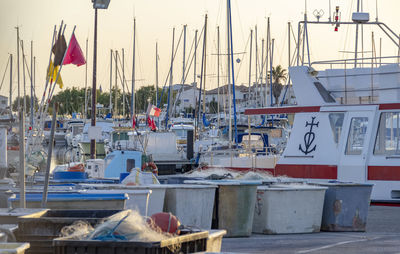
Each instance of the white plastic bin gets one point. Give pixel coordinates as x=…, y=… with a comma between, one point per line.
x=137, y=199
x=156, y=199
x=287, y=209
x=191, y=204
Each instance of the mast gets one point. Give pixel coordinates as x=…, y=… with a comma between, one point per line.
x=271, y=68
x=86, y=71
x=196, y=123
x=233, y=70
x=262, y=72
x=218, y=50
x=184, y=54
x=133, y=71
x=34, y=78
x=116, y=83
x=19, y=87
x=11, y=64
x=194, y=77
x=123, y=83
x=170, y=77
x=31, y=120
x=256, y=58
x=23, y=73
x=267, y=61
x=111, y=61
x=156, y=103
x=204, y=64
x=356, y=47
x=229, y=72
x=251, y=48
x=22, y=203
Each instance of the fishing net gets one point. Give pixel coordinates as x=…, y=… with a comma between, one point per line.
x=127, y=225
x=77, y=229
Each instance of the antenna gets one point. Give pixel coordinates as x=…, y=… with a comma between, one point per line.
x=376, y=11
x=330, y=12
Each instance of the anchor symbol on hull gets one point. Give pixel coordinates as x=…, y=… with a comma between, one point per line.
x=309, y=138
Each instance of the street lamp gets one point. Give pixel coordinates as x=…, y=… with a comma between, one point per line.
x=97, y=4
x=100, y=4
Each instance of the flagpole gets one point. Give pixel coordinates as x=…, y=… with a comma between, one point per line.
x=39, y=112
x=48, y=65
x=93, y=112
x=86, y=71
x=52, y=87
x=133, y=71
x=61, y=65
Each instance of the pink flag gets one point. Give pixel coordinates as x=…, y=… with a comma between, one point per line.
x=74, y=53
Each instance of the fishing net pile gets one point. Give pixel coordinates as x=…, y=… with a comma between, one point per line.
x=127, y=225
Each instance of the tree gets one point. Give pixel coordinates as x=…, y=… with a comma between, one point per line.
x=28, y=103
x=213, y=106
x=278, y=75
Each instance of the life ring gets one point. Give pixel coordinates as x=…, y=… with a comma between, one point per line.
x=150, y=166
x=77, y=168
x=13, y=148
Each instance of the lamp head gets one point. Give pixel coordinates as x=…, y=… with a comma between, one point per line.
x=100, y=4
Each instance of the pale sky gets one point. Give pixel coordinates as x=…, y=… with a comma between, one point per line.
x=155, y=21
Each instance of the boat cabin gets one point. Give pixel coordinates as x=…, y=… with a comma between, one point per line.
x=343, y=142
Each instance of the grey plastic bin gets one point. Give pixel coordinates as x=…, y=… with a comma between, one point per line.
x=346, y=206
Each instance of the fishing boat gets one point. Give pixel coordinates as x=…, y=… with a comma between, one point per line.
x=344, y=142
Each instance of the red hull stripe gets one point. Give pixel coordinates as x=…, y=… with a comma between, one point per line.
x=307, y=171
x=243, y=169
x=378, y=203
x=281, y=110
x=384, y=173
x=389, y=106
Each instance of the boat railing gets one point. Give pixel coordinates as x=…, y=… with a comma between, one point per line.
x=363, y=84
x=363, y=61
x=254, y=158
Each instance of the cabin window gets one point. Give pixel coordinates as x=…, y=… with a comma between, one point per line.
x=336, y=121
x=130, y=165
x=388, y=136
x=355, y=140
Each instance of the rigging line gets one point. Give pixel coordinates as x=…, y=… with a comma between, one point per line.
x=125, y=86
x=240, y=21
x=346, y=39
x=188, y=57
x=241, y=62
x=139, y=54
x=191, y=61
x=26, y=66
x=170, y=69
x=177, y=97
x=284, y=44
x=4, y=75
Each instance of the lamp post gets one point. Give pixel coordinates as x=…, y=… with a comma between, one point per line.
x=97, y=4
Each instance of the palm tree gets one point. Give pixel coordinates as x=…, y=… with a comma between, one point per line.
x=278, y=75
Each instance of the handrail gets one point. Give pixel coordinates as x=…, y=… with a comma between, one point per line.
x=349, y=61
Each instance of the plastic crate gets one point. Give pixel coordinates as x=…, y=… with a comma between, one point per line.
x=39, y=229
x=190, y=243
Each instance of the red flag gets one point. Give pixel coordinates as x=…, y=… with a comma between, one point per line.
x=154, y=111
x=153, y=125
x=148, y=121
x=74, y=53
x=133, y=122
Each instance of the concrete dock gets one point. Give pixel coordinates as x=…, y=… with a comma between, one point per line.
x=382, y=236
